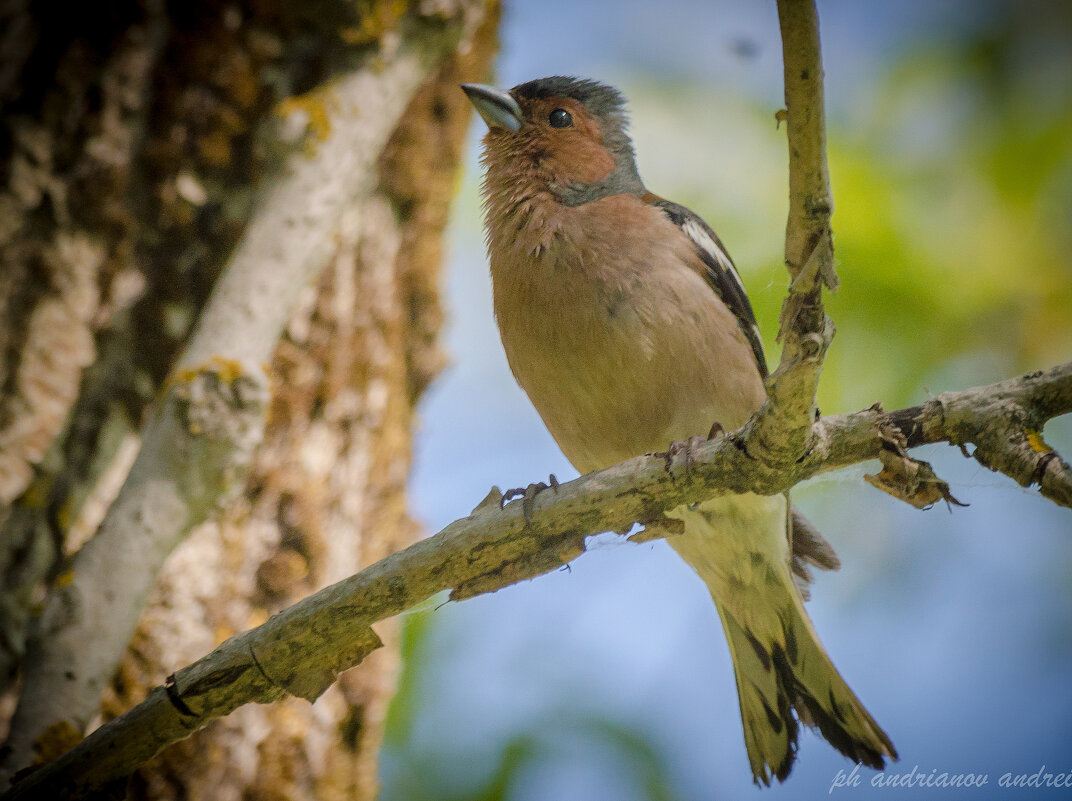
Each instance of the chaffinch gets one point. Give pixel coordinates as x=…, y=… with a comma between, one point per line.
x=626, y=323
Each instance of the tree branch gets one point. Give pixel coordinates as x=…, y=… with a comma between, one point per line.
x=198, y=443
x=303, y=648
x=810, y=203
x=784, y=423
x=1005, y=426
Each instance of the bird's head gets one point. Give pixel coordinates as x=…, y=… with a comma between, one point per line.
x=564, y=135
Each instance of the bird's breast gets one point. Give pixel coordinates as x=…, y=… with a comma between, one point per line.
x=615, y=338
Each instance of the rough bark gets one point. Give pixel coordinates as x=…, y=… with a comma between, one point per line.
x=222, y=95
x=74, y=88
x=327, y=491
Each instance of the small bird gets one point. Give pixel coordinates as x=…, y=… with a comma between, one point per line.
x=626, y=323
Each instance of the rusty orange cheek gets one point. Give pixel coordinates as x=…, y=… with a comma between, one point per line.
x=579, y=159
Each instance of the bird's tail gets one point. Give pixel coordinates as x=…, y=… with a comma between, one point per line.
x=784, y=676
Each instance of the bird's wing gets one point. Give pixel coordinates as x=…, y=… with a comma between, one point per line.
x=720, y=275
x=809, y=546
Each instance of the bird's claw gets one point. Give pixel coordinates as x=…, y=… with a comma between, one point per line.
x=528, y=495
x=686, y=446
x=679, y=446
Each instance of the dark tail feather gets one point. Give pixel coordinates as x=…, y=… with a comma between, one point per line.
x=780, y=686
x=810, y=549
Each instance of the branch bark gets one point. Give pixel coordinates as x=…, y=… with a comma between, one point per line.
x=302, y=649
x=810, y=202
x=1005, y=426
x=198, y=443
x=784, y=423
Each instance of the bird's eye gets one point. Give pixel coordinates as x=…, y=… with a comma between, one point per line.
x=560, y=118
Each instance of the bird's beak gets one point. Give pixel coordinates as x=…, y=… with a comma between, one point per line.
x=498, y=109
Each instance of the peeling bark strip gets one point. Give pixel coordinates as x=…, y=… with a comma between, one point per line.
x=1005, y=426
x=494, y=548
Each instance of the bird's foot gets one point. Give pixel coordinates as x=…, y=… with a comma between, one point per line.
x=680, y=446
x=686, y=446
x=528, y=495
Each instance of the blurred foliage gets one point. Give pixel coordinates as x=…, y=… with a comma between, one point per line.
x=952, y=183
x=953, y=216
x=406, y=700
x=424, y=775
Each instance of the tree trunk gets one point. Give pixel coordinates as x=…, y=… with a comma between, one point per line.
x=134, y=140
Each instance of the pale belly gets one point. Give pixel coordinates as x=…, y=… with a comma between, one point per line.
x=612, y=381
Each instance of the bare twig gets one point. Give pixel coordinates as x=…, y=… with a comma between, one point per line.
x=301, y=649
x=783, y=425
x=810, y=203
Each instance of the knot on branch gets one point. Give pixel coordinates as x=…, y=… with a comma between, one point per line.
x=216, y=415
x=1004, y=422
x=818, y=268
x=658, y=529
x=783, y=429
x=207, y=397
x=1023, y=454
x=819, y=208
x=780, y=435
x=812, y=347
